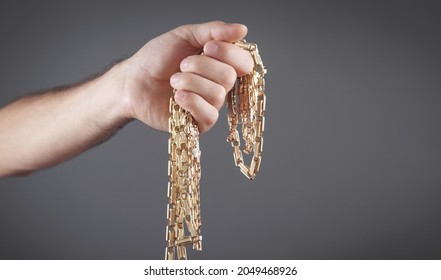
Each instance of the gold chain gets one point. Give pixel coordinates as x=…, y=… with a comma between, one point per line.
x=184, y=171
x=246, y=105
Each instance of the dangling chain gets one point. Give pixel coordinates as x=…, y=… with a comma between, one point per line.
x=249, y=91
x=184, y=171
x=246, y=104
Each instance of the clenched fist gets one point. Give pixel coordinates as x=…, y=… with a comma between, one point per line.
x=172, y=61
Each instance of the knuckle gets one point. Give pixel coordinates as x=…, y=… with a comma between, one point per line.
x=219, y=96
x=244, y=62
x=218, y=22
x=229, y=77
x=211, y=119
x=249, y=65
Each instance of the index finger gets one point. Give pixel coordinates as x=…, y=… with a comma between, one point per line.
x=228, y=53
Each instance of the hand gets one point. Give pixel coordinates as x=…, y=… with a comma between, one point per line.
x=42, y=130
x=172, y=60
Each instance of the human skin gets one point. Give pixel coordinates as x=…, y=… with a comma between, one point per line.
x=42, y=130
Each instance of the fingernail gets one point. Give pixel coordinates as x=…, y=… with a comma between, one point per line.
x=210, y=48
x=174, y=79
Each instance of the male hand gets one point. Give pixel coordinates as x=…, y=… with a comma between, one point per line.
x=172, y=61
x=42, y=130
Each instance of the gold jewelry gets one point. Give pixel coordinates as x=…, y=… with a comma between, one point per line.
x=184, y=172
x=246, y=105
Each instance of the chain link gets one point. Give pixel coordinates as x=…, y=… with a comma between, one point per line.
x=246, y=105
x=184, y=171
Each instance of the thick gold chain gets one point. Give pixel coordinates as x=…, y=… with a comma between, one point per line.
x=246, y=105
x=184, y=171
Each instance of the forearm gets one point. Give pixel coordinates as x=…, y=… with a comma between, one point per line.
x=45, y=129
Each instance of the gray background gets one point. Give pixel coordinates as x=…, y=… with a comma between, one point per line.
x=352, y=156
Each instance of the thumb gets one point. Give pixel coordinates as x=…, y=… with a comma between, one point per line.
x=199, y=34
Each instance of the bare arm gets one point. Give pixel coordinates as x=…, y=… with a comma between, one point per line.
x=42, y=130
x=45, y=129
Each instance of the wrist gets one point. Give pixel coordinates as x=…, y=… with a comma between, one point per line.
x=114, y=92
x=138, y=92
x=102, y=100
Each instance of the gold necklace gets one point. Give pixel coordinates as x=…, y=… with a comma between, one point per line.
x=246, y=105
